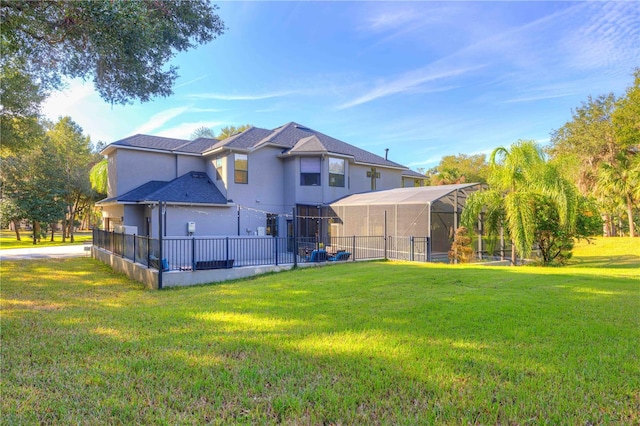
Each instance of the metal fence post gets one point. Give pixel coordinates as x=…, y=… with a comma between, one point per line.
x=295, y=239
x=385, y=235
x=428, y=249
x=193, y=253
x=135, y=238
x=411, y=249
x=227, y=250
x=275, y=241
x=354, y=248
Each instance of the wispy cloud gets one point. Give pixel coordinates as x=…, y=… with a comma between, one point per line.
x=389, y=19
x=206, y=110
x=242, y=97
x=608, y=35
x=177, y=86
x=159, y=119
x=537, y=98
x=407, y=83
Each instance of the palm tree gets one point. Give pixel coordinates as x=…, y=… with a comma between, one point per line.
x=98, y=176
x=621, y=181
x=519, y=179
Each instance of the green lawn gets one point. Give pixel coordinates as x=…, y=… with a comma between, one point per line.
x=354, y=343
x=8, y=239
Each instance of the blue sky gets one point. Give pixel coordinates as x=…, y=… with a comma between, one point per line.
x=424, y=79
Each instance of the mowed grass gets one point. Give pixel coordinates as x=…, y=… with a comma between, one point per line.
x=8, y=239
x=355, y=343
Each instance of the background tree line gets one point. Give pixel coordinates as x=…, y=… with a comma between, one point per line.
x=585, y=182
x=48, y=182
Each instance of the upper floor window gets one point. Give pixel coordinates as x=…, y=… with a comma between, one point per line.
x=217, y=163
x=241, y=172
x=310, y=171
x=336, y=172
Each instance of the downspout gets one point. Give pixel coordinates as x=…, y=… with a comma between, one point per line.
x=160, y=243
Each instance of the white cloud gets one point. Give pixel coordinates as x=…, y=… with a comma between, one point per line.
x=408, y=82
x=242, y=97
x=190, y=81
x=159, y=119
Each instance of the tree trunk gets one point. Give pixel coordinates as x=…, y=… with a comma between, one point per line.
x=632, y=226
x=16, y=228
x=513, y=254
x=64, y=229
x=34, y=236
x=53, y=228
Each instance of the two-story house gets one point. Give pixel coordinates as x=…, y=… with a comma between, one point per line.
x=247, y=184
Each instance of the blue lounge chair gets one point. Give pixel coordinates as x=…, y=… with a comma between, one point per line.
x=318, y=256
x=341, y=255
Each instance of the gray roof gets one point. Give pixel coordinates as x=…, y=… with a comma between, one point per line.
x=414, y=174
x=294, y=138
x=290, y=134
x=199, y=145
x=247, y=139
x=151, y=142
x=192, y=187
x=415, y=195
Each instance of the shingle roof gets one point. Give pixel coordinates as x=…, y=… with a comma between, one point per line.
x=414, y=174
x=192, y=187
x=293, y=137
x=291, y=133
x=199, y=145
x=151, y=142
x=247, y=139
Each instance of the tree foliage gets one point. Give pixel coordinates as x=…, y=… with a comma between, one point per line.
x=598, y=149
x=202, y=132
x=460, y=168
x=49, y=181
x=626, y=117
x=122, y=46
x=621, y=180
x=74, y=157
x=229, y=131
x=589, y=138
x=33, y=185
x=99, y=177
x=521, y=183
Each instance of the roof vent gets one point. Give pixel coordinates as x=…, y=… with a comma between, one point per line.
x=297, y=126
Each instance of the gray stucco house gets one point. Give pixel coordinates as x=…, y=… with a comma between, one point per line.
x=247, y=184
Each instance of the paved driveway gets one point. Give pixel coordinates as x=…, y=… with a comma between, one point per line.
x=44, y=252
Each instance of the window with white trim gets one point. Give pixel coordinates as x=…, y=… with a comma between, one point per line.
x=241, y=172
x=336, y=172
x=309, y=171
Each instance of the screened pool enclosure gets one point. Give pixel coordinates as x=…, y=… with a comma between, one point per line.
x=428, y=211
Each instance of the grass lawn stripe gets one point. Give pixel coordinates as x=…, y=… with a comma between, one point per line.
x=374, y=342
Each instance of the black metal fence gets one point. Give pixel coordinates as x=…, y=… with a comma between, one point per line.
x=199, y=253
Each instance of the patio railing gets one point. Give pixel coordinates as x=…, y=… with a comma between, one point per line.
x=198, y=253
